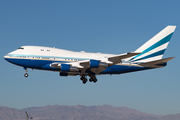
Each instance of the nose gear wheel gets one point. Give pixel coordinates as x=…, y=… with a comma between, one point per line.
x=26, y=74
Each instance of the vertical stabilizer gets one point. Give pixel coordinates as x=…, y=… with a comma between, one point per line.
x=155, y=47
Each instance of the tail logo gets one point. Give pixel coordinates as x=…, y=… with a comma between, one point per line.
x=154, y=50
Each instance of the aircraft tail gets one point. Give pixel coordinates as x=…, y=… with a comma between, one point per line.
x=154, y=48
x=156, y=63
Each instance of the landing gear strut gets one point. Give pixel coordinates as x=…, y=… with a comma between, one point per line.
x=26, y=74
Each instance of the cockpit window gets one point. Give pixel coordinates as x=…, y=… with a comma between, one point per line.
x=21, y=48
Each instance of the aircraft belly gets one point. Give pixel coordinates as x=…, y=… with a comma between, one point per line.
x=119, y=69
x=45, y=65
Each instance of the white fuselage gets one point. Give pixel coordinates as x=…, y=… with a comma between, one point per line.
x=38, y=57
x=44, y=53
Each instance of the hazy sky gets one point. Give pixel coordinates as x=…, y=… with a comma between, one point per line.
x=94, y=26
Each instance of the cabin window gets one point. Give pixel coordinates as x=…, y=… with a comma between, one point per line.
x=48, y=50
x=21, y=48
x=42, y=49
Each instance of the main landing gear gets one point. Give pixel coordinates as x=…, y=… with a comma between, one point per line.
x=84, y=79
x=26, y=74
x=91, y=79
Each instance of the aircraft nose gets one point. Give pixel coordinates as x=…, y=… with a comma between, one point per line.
x=5, y=57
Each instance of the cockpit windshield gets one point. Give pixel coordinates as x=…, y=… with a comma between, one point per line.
x=21, y=48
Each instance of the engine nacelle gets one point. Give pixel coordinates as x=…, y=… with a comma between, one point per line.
x=103, y=64
x=65, y=67
x=63, y=74
x=68, y=73
x=96, y=64
x=68, y=68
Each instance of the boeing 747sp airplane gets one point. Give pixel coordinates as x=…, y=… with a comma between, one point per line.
x=66, y=62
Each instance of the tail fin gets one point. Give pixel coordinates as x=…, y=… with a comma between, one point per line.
x=155, y=47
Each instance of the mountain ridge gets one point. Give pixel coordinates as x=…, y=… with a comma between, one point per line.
x=80, y=112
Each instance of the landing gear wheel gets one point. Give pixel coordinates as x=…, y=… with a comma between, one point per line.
x=84, y=81
x=90, y=79
x=82, y=77
x=25, y=75
x=95, y=80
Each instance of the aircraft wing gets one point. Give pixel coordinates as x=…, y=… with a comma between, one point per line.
x=109, y=60
x=112, y=61
x=94, y=65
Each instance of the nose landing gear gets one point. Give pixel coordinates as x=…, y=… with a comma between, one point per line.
x=26, y=74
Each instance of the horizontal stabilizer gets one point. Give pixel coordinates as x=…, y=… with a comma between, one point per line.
x=156, y=62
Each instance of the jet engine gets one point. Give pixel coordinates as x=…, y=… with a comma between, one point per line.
x=96, y=64
x=68, y=68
